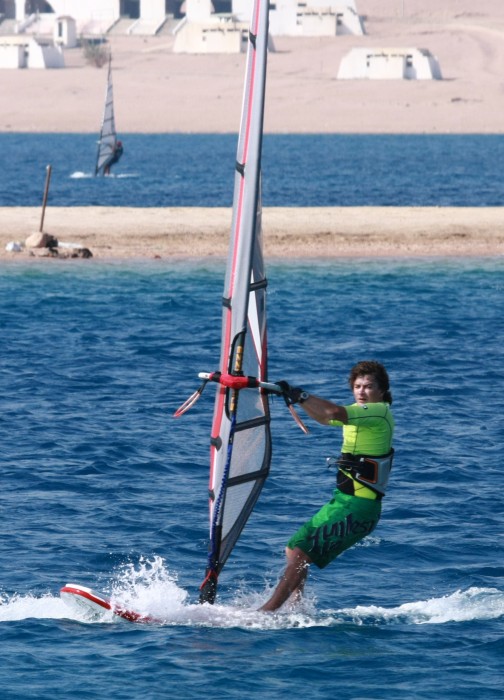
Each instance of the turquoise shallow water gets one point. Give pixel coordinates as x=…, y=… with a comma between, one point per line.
x=103, y=487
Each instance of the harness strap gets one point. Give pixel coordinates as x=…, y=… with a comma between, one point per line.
x=372, y=472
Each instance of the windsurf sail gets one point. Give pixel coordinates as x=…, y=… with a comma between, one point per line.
x=240, y=443
x=240, y=452
x=107, y=143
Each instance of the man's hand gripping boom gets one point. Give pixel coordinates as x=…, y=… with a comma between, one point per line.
x=237, y=383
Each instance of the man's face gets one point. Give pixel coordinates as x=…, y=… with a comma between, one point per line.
x=366, y=390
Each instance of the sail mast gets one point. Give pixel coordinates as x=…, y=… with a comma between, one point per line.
x=240, y=451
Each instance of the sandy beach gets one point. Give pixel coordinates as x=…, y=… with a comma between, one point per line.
x=157, y=91
x=127, y=233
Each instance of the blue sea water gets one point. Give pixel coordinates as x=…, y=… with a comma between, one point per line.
x=298, y=170
x=102, y=486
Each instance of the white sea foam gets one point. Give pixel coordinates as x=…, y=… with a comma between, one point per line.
x=461, y=606
x=80, y=175
x=23, y=607
x=151, y=589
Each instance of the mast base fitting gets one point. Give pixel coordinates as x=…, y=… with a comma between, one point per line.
x=208, y=589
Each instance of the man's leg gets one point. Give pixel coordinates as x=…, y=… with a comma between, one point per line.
x=292, y=582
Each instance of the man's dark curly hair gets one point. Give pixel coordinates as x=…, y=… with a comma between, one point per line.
x=379, y=373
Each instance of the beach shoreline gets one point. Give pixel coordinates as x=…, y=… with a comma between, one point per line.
x=127, y=233
x=158, y=91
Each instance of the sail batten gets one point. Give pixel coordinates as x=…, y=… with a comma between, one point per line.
x=240, y=451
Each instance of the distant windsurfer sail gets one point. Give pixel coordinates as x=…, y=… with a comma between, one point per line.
x=110, y=149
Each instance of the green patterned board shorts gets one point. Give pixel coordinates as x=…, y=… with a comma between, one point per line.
x=338, y=525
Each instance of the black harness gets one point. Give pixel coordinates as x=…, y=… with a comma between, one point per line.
x=372, y=472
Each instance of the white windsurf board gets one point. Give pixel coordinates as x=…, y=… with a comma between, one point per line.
x=94, y=605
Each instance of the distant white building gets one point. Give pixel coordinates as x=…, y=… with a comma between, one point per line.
x=28, y=52
x=203, y=31
x=389, y=64
x=92, y=17
x=204, y=26
x=216, y=34
x=65, y=32
x=308, y=17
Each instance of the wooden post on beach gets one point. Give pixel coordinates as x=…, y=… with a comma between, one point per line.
x=46, y=192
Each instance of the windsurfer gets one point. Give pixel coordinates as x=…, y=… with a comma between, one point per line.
x=117, y=153
x=363, y=469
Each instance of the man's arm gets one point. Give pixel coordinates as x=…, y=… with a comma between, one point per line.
x=323, y=411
